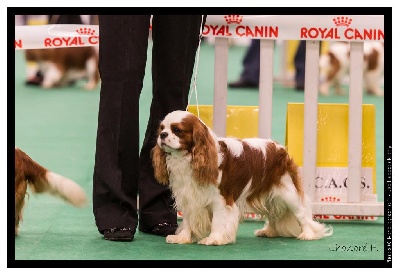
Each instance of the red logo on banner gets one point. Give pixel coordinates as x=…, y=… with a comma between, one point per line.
x=233, y=19
x=347, y=33
x=85, y=31
x=342, y=21
x=241, y=30
x=87, y=38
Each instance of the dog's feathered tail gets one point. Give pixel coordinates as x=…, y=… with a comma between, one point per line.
x=41, y=180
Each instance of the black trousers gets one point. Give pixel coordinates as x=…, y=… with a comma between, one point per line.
x=120, y=172
x=300, y=63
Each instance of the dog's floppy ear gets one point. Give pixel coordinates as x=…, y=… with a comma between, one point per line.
x=204, y=155
x=160, y=165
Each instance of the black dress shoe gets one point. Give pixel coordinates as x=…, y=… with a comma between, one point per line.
x=163, y=229
x=119, y=234
x=242, y=84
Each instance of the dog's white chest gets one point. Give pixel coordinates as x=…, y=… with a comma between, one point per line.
x=186, y=191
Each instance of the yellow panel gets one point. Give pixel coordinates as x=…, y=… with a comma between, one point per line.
x=324, y=47
x=332, y=135
x=241, y=121
x=291, y=52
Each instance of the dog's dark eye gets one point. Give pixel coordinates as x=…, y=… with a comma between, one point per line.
x=176, y=130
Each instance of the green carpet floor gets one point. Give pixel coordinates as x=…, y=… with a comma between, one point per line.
x=57, y=128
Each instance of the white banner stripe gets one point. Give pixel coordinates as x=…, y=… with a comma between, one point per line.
x=284, y=27
x=55, y=36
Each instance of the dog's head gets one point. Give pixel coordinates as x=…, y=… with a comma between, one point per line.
x=182, y=133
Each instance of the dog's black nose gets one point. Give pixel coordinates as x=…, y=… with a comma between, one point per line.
x=163, y=135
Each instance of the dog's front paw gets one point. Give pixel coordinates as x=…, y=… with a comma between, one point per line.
x=177, y=239
x=266, y=232
x=211, y=241
x=47, y=85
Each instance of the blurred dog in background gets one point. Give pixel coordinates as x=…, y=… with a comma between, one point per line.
x=334, y=66
x=57, y=67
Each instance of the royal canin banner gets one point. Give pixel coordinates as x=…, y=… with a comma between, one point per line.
x=297, y=27
x=285, y=27
x=55, y=36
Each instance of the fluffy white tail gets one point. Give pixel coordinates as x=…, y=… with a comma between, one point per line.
x=66, y=189
x=63, y=187
x=41, y=180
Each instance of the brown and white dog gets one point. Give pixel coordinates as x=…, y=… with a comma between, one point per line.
x=334, y=66
x=61, y=66
x=216, y=180
x=41, y=180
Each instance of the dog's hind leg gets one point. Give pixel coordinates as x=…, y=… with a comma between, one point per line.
x=299, y=208
x=281, y=221
x=91, y=72
x=52, y=76
x=20, y=192
x=268, y=230
x=372, y=83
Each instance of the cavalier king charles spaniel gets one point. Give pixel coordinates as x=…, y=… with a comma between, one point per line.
x=41, y=180
x=63, y=66
x=216, y=180
x=335, y=65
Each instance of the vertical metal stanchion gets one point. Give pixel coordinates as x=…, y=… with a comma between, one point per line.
x=220, y=85
x=355, y=122
x=265, y=87
x=310, y=117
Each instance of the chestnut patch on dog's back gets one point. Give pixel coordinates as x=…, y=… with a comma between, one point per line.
x=264, y=173
x=236, y=172
x=70, y=57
